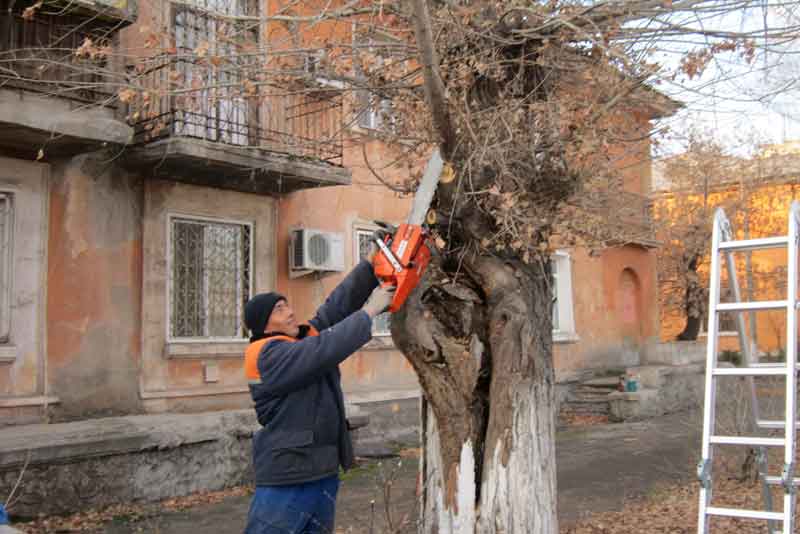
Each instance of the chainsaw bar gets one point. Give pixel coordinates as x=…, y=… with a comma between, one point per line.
x=426, y=189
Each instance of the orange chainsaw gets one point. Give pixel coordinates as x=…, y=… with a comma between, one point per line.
x=403, y=254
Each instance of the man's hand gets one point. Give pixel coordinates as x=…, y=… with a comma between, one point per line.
x=379, y=301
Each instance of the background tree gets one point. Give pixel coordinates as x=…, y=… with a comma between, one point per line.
x=755, y=193
x=697, y=187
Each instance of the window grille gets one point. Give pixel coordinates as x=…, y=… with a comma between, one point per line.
x=210, y=278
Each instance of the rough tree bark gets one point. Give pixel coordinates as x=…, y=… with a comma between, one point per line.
x=482, y=350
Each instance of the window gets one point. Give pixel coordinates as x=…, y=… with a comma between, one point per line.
x=210, y=278
x=363, y=236
x=6, y=257
x=219, y=113
x=374, y=112
x=561, y=276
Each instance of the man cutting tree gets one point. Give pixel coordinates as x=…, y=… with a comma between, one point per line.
x=294, y=380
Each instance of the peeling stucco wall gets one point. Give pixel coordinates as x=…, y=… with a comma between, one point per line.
x=94, y=286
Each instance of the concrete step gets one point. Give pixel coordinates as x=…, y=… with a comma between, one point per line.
x=593, y=391
x=586, y=404
x=585, y=408
x=589, y=398
x=608, y=382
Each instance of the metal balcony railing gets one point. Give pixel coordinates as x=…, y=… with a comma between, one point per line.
x=38, y=54
x=303, y=124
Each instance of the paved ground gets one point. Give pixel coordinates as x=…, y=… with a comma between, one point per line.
x=599, y=467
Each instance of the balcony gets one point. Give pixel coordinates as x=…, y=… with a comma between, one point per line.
x=49, y=96
x=220, y=137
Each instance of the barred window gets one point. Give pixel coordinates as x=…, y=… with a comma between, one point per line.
x=6, y=257
x=380, y=325
x=209, y=278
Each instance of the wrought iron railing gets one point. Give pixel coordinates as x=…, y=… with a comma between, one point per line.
x=304, y=124
x=37, y=53
x=299, y=124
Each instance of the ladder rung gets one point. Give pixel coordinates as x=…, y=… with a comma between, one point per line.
x=752, y=514
x=751, y=371
x=747, y=440
x=755, y=244
x=768, y=424
x=778, y=481
x=748, y=306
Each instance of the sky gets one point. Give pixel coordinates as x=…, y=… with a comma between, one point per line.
x=740, y=105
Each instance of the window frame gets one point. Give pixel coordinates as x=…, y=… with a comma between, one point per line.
x=371, y=116
x=171, y=216
x=358, y=230
x=7, y=272
x=231, y=119
x=564, y=307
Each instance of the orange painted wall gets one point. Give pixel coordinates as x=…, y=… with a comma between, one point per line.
x=94, y=287
x=613, y=325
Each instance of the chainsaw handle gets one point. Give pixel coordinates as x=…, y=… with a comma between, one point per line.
x=390, y=229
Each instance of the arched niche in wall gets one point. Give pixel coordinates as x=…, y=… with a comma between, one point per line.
x=629, y=302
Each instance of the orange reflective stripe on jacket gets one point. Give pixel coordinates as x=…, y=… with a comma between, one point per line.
x=254, y=350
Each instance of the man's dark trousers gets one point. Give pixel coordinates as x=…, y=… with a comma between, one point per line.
x=307, y=508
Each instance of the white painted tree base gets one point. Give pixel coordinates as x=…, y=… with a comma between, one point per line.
x=516, y=498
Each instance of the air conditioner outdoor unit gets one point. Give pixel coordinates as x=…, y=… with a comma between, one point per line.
x=315, y=250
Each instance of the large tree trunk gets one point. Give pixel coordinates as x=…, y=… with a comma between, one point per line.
x=482, y=350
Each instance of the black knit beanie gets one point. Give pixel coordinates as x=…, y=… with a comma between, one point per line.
x=258, y=309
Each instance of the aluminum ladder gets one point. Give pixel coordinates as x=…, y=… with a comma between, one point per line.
x=723, y=241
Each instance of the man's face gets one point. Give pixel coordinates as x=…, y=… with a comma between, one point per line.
x=282, y=320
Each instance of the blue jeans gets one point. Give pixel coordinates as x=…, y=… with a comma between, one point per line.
x=308, y=508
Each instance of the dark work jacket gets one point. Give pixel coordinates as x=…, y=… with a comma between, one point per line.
x=297, y=388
